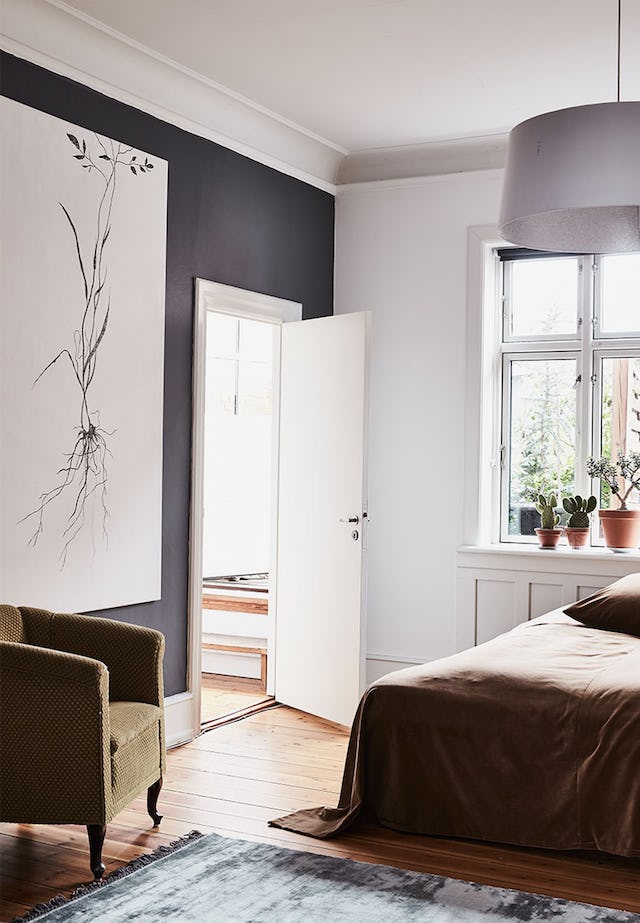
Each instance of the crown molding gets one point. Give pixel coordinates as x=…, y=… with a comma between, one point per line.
x=53, y=35
x=375, y=186
x=434, y=158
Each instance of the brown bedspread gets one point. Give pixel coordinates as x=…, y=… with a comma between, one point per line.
x=532, y=739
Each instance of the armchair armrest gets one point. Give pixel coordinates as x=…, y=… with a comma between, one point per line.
x=54, y=726
x=133, y=654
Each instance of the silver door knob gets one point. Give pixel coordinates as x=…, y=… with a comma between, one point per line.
x=352, y=519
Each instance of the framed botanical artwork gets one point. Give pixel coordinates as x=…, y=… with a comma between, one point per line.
x=82, y=270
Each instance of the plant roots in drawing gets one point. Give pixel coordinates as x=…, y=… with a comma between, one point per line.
x=84, y=475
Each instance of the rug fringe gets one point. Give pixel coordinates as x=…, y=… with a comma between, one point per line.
x=135, y=865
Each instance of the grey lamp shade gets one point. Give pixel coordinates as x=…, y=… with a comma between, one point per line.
x=572, y=180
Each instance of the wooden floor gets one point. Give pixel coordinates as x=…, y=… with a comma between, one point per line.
x=224, y=695
x=233, y=779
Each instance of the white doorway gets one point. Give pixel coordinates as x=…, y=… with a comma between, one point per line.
x=238, y=477
x=234, y=502
x=317, y=519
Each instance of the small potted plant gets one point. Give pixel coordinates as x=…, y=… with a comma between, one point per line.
x=577, y=528
x=548, y=533
x=621, y=527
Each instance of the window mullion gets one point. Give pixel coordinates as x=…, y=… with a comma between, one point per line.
x=504, y=450
x=586, y=370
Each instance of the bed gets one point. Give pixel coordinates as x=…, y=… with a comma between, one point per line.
x=531, y=739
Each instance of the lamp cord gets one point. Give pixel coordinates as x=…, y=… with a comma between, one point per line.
x=619, y=34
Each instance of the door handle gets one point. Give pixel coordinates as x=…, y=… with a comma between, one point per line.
x=352, y=519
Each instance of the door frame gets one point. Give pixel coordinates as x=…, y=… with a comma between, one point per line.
x=223, y=299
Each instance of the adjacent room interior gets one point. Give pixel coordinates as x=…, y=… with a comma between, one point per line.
x=320, y=478
x=237, y=515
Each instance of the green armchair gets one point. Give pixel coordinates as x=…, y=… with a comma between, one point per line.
x=81, y=720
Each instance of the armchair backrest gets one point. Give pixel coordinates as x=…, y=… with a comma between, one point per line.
x=133, y=654
x=26, y=626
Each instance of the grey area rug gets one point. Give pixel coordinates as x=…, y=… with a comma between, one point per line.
x=211, y=878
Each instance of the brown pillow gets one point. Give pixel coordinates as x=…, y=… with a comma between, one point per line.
x=614, y=608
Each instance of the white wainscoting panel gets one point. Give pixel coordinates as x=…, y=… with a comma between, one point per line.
x=496, y=600
x=543, y=597
x=380, y=664
x=584, y=590
x=499, y=587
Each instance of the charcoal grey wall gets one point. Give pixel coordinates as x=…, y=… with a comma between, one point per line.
x=230, y=220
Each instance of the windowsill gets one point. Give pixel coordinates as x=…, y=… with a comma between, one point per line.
x=562, y=552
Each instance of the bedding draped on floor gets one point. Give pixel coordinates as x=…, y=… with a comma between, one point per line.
x=531, y=739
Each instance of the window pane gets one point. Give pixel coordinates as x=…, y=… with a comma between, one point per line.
x=256, y=340
x=220, y=386
x=542, y=436
x=254, y=389
x=621, y=293
x=620, y=418
x=222, y=334
x=544, y=297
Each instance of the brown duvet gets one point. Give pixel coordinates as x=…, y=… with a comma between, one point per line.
x=532, y=739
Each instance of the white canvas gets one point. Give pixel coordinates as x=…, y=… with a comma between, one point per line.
x=80, y=403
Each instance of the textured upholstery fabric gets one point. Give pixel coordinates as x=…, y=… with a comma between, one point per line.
x=11, y=624
x=57, y=760
x=54, y=737
x=124, y=648
x=129, y=719
x=37, y=626
x=134, y=767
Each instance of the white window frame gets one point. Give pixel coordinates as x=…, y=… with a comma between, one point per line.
x=488, y=348
x=515, y=356
x=535, y=341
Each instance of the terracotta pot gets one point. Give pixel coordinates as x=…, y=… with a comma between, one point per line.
x=548, y=538
x=621, y=529
x=577, y=537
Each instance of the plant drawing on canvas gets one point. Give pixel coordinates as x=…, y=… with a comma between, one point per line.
x=83, y=478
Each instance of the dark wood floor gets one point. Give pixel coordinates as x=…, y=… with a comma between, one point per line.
x=234, y=778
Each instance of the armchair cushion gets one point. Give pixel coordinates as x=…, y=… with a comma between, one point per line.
x=130, y=719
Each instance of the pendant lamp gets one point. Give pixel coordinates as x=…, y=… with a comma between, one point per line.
x=572, y=179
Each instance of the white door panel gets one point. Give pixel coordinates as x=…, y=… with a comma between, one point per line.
x=319, y=654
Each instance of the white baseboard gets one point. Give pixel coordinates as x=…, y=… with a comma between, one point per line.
x=179, y=720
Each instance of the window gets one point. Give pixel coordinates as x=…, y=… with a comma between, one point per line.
x=239, y=366
x=570, y=377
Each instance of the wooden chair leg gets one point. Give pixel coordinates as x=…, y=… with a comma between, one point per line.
x=96, y=839
x=152, y=801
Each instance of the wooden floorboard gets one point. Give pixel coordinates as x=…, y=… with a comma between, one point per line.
x=233, y=779
x=223, y=695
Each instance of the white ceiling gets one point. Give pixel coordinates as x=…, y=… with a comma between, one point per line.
x=368, y=74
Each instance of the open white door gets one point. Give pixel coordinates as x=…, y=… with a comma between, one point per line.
x=319, y=649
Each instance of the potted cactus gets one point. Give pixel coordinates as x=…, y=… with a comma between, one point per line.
x=578, y=526
x=621, y=527
x=548, y=533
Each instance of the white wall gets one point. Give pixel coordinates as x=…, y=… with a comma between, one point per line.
x=401, y=253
